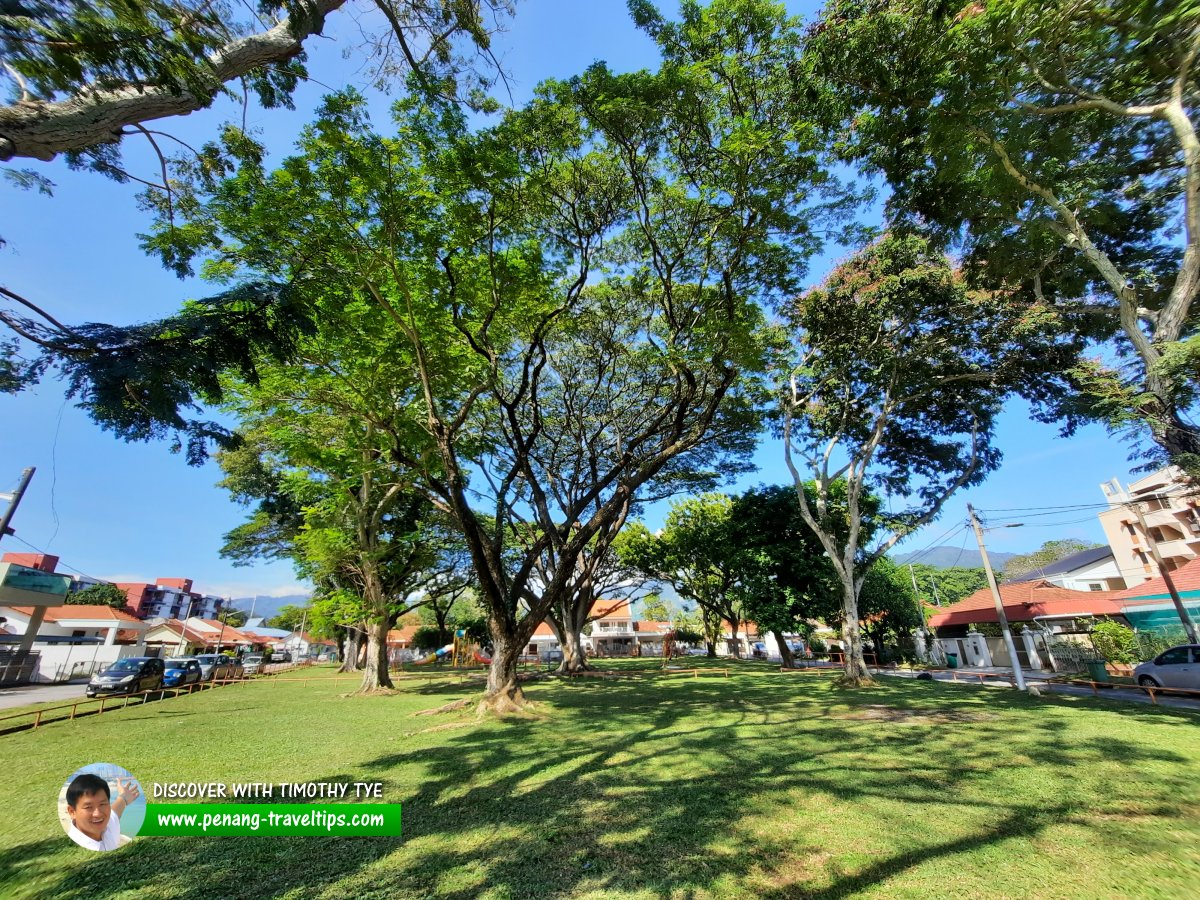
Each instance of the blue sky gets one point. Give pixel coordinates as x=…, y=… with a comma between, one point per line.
x=136, y=512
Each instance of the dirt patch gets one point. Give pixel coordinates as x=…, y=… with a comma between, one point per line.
x=880, y=713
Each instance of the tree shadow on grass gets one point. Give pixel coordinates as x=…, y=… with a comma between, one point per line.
x=671, y=788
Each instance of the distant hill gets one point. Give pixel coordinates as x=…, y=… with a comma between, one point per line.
x=266, y=607
x=945, y=557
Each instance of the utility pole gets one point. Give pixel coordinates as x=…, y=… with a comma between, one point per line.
x=991, y=577
x=1188, y=625
x=183, y=626
x=303, y=621
x=14, y=500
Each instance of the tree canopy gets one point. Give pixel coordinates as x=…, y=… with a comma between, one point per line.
x=1050, y=552
x=1056, y=143
x=100, y=594
x=899, y=372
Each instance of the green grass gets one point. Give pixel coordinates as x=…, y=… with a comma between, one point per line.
x=759, y=785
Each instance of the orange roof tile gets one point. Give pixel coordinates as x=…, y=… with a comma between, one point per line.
x=188, y=634
x=402, y=635
x=80, y=611
x=610, y=609
x=1025, y=600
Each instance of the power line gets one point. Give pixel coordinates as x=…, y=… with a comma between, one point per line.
x=60, y=562
x=1099, y=505
x=936, y=541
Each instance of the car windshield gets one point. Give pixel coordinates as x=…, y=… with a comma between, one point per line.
x=126, y=665
x=175, y=663
x=206, y=660
x=253, y=659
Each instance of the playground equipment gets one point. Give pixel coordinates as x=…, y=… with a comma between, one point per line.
x=480, y=658
x=463, y=649
x=435, y=655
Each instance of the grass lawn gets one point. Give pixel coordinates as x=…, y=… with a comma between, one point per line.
x=759, y=785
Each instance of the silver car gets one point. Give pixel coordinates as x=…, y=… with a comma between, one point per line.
x=1178, y=667
x=215, y=666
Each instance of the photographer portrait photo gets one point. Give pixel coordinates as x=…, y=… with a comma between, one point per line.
x=101, y=807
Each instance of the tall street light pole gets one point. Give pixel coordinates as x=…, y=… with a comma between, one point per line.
x=1003, y=619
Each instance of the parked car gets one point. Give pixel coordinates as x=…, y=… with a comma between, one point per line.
x=281, y=656
x=216, y=666
x=552, y=656
x=758, y=650
x=182, y=671
x=253, y=664
x=696, y=651
x=1178, y=667
x=128, y=676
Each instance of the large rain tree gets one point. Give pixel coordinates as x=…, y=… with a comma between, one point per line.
x=327, y=492
x=1057, y=141
x=691, y=194
x=899, y=373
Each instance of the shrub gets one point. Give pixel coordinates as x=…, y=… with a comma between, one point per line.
x=818, y=647
x=1115, y=642
x=1149, y=644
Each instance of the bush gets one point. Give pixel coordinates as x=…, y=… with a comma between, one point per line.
x=1115, y=642
x=1149, y=644
x=818, y=647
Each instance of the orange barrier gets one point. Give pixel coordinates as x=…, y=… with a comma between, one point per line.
x=695, y=673
x=103, y=703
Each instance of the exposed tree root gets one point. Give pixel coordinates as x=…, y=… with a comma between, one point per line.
x=449, y=707
x=856, y=681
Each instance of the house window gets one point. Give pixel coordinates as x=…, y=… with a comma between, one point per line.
x=78, y=632
x=1092, y=586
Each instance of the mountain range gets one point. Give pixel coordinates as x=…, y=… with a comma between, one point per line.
x=946, y=557
x=266, y=607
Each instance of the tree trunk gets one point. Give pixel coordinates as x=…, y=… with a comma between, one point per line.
x=785, y=651
x=375, y=672
x=350, y=659
x=574, y=659
x=853, y=663
x=504, y=694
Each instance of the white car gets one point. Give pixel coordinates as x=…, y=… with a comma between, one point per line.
x=1178, y=667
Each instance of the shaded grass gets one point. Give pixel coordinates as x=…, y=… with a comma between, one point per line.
x=759, y=785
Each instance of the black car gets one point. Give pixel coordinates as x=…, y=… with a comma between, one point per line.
x=128, y=676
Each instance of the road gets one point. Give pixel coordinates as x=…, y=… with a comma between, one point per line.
x=40, y=693
x=1116, y=694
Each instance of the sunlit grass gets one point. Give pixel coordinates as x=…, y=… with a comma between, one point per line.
x=756, y=785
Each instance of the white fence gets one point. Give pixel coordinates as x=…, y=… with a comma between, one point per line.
x=63, y=662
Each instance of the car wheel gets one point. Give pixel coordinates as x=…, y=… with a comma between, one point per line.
x=1147, y=681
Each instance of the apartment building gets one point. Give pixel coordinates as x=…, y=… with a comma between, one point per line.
x=1172, y=521
x=170, y=598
